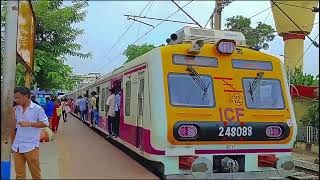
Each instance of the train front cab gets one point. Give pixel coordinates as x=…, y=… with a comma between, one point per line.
x=227, y=113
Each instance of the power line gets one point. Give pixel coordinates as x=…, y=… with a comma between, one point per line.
x=111, y=59
x=186, y=13
x=267, y=17
x=144, y=15
x=313, y=42
x=215, y=10
x=149, y=8
x=125, y=32
x=305, y=51
x=260, y=12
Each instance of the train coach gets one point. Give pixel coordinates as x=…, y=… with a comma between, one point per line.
x=204, y=106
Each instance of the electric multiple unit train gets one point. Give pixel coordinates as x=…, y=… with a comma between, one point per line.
x=205, y=105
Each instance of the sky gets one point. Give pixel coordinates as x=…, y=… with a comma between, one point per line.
x=105, y=23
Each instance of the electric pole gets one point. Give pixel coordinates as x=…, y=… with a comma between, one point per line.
x=217, y=16
x=7, y=86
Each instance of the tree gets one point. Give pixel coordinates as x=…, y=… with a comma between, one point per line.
x=55, y=39
x=254, y=36
x=134, y=51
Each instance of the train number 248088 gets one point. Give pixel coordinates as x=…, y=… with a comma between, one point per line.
x=235, y=131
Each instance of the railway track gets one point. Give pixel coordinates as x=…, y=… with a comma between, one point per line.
x=305, y=171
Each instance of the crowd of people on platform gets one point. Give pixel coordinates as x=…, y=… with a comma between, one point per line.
x=112, y=109
x=30, y=116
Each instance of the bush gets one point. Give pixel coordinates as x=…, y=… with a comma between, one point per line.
x=311, y=117
x=298, y=78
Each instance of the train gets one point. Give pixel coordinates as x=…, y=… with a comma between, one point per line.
x=203, y=106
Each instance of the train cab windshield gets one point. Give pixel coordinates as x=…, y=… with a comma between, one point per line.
x=186, y=90
x=266, y=95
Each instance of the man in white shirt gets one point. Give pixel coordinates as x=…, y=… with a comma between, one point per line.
x=30, y=118
x=117, y=102
x=110, y=113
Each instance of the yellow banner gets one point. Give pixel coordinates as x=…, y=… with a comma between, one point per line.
x=26, y=34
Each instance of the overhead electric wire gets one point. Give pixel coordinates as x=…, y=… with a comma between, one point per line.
x=111, y=59
x=260, y=12
x=125, y=32
x=215, y=10
x=267, y=17
x=313, y=42
x=305, y=52
x=144, y=15
x=186, y=13
x=175, y=21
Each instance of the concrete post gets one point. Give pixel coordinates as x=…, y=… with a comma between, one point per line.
x=7, y=86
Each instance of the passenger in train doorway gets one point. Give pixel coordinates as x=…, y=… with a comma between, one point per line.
x=110, y=113
x=76, y=110
x=82, y=107
x=94, y=107
x=87, y=107
x=117, y=102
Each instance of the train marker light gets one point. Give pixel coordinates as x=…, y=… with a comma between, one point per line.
x=267, y=160
x=187, y=131
x=226, y=46
x=185, y=162
x=273, y=131
x=196, y=47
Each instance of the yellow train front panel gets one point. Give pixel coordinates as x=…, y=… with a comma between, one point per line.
x=214, y=98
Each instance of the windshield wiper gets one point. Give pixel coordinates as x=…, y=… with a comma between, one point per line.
x=198, y=80
x=254, y=84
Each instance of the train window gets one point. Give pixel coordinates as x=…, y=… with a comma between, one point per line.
x=195, y=60
x=267, y=94
x=98, y=90
x=188, y=90
x=103, y=99
x=252, y=64
x=140, y=97
x=128, y=97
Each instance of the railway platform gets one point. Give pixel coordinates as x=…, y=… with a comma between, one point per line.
x=77, y=152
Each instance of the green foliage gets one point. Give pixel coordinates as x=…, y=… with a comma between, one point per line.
x=54, y=40
x=311, y=117
x=134, y=51
x=298, y=78
x=254, y=36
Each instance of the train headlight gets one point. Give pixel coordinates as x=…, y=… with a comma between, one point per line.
x=273, y=131
x=187, y=131
x=226, y=46
x=285, y=166
x=230, y=164
x=202, y=168
x=196, y=47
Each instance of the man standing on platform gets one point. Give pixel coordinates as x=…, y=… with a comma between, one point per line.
x=49, y=108
x=30, y=118
x=110, y=113
x=94, y=106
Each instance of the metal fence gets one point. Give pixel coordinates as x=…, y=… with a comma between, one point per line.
x=308, y=134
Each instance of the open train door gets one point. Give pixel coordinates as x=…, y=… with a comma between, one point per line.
x=140, y=100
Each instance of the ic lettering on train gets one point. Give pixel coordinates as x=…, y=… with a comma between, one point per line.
x=231, y=114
